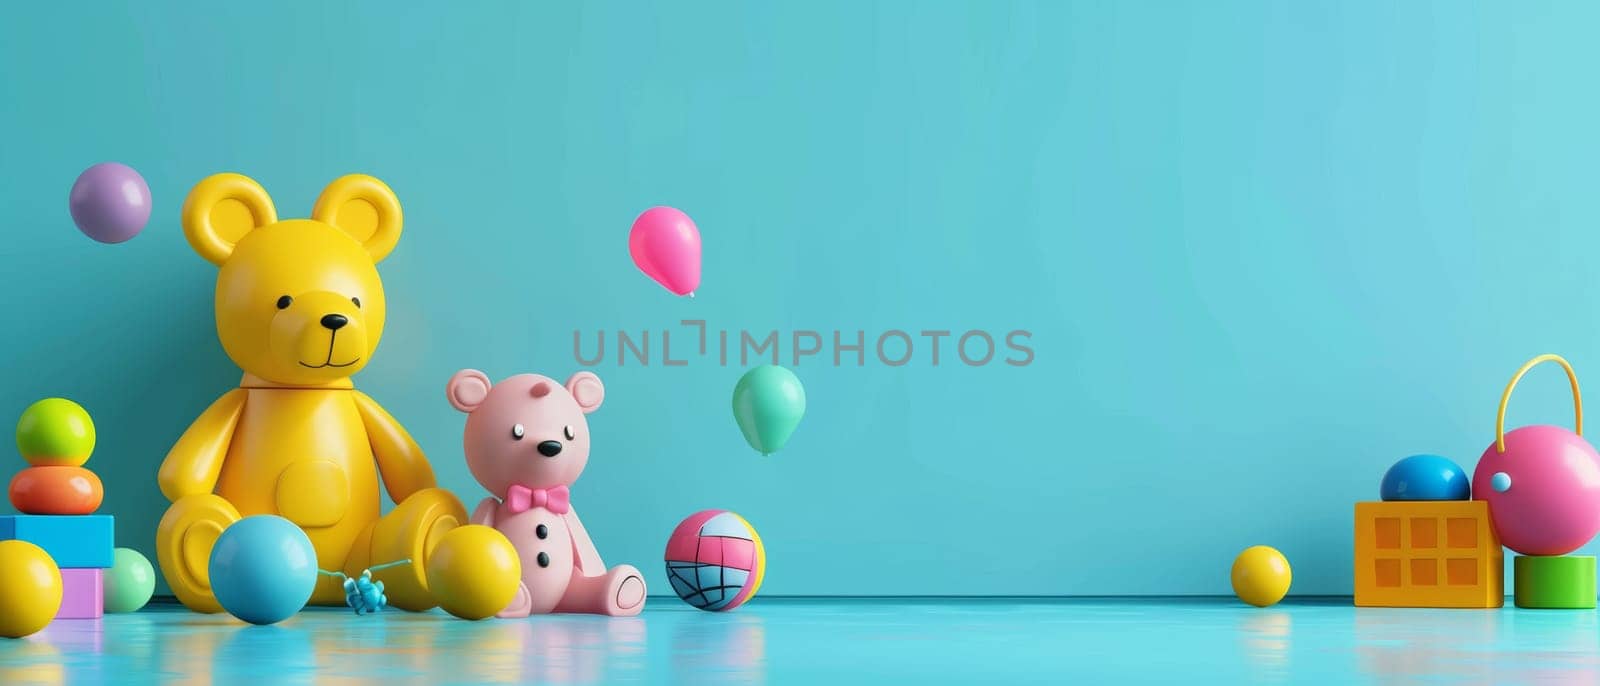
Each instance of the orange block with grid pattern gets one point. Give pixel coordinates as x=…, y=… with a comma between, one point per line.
x=1428, y=554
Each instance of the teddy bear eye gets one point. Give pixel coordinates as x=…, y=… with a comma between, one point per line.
x=356, y=300
x=283, y=302
x=569, y=433
x=517, y=431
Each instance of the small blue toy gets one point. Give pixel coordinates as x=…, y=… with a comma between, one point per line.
x=362, y=593
x=1425, y=477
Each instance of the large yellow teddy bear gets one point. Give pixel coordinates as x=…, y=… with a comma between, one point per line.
x=300, y=309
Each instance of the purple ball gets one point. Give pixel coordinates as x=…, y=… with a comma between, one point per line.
x=110, y=202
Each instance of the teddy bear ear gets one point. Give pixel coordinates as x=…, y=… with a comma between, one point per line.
x=221, y=210
x=467, y=389
x=365, y=209
x=586, y=388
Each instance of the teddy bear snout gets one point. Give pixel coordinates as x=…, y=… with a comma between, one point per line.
x=318, y=330
x=550, y=448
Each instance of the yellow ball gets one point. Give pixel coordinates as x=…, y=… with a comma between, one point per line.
x=474, y=572
x=30, y=588
x=1261, y=576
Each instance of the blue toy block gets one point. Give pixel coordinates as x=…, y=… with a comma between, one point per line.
x=73, y=541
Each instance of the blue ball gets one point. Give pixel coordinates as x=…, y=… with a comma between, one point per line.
x=263, y=569
x=1425, y=477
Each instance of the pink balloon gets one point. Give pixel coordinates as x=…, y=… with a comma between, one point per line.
x=666, y=246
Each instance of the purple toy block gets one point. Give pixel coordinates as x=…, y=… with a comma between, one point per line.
x=82, y=594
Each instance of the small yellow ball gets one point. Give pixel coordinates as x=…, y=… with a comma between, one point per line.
x=474, y=572
x=30, y=589
x=1261, y=576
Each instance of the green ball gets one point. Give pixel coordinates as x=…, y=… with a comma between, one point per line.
x=130, y=582
x=55, y=431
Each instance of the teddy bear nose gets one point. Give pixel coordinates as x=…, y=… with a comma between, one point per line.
x=550, y=448
x=334, y=321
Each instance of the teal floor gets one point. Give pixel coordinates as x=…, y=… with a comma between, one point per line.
x=833, y=642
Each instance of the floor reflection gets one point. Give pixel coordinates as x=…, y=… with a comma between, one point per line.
x=1395, y=648
x=186, y=649
x=830, y=642
x=710, y=648
x=1266, y=638
x=48, y=657
x=246, y=652
x=401, y=649
x=31, y=662
x=546, y=650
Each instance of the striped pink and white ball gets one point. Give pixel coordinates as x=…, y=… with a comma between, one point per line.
x=715, y=560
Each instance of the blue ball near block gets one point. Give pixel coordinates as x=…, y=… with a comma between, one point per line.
x=1425, y=477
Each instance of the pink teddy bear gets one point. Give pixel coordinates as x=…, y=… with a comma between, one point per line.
x=526, y=441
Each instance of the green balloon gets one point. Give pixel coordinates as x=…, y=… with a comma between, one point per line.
x=130, y=582
x=768, y=404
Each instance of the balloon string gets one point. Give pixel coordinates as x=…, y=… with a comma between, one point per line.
x=387, y=565
x=373, y=568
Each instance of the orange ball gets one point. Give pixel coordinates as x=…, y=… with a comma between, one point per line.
x=56, y=490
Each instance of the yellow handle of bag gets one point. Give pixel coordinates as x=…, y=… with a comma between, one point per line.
x=1505, y=398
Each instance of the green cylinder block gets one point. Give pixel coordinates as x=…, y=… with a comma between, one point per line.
x=1557, y=582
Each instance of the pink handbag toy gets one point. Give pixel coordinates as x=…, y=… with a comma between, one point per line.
x=1542, y=482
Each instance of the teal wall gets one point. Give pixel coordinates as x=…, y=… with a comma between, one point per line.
x=1264, y=248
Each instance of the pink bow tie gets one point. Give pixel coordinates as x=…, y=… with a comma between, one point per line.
x=521, y=498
